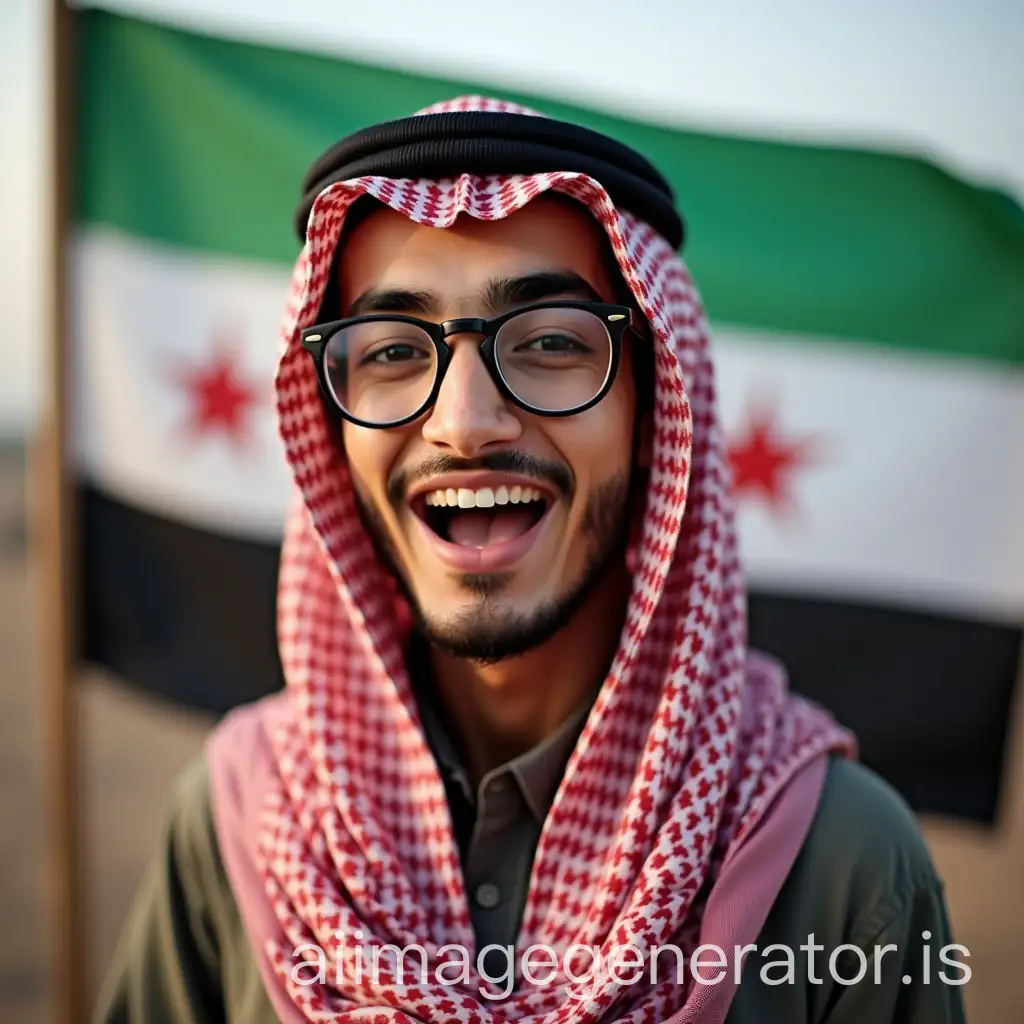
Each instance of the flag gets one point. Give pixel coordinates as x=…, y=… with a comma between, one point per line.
x=868, y=320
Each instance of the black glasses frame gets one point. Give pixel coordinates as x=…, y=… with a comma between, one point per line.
x=616, y=319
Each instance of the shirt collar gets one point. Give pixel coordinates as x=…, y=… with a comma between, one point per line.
x=538, y=771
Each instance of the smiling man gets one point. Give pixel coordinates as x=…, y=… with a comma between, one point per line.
x=524, y=767
x=507, y=531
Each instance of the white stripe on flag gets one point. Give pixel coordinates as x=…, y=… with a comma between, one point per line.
x=152, y=325
x=909, y=477
x=905, y=482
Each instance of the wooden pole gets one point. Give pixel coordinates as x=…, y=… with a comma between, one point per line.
x=53, y=539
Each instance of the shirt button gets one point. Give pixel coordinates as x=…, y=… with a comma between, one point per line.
x=487, y=895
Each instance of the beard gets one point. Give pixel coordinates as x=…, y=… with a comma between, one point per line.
x=487, y=632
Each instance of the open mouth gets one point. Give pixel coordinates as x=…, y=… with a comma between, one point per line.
x=481, y=517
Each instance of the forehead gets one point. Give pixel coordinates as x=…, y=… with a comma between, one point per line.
x=388, y=250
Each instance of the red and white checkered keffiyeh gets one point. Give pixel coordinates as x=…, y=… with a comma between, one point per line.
x=693, y=748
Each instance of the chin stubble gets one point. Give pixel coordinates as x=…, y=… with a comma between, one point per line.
x=486, y=633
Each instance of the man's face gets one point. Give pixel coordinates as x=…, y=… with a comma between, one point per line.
x=492, y=582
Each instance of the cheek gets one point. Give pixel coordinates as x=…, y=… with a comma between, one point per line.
x=370, y=454
x=598, y=444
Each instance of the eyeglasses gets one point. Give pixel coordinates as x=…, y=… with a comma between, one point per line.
x=551, y=359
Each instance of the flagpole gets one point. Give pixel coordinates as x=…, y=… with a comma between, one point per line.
x=54, y=547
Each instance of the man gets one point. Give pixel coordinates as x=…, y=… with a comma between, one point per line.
x=524, y=766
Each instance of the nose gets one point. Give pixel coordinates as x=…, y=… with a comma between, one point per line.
x=470, y=414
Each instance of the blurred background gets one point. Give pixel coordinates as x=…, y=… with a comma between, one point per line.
x=852, y=178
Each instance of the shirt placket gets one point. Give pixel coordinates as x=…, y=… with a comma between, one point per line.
x=497, y=863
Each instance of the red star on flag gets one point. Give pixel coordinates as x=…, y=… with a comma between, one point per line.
x=764, y=462
x=220, y=399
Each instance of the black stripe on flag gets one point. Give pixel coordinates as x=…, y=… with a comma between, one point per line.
x=188, y=615
x=182, y=613
x=929, y=696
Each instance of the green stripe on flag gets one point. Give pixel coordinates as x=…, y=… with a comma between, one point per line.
x=201, y=142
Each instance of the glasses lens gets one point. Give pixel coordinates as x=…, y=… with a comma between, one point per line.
x=554, y=359
x=380, y=371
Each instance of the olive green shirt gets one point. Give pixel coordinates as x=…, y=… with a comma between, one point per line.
x=498, y=822
x=864, y=877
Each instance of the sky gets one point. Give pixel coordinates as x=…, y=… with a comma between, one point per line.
x=944, y=78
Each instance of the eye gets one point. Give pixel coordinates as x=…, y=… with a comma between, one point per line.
x=397, y=352
x=554, y=344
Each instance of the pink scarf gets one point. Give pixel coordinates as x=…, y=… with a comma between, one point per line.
x=685, y=801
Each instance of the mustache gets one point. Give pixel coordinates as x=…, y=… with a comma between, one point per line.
x=554, y=473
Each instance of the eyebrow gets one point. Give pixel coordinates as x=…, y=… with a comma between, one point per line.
x=498, y=295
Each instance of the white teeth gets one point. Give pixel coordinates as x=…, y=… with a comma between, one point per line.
x=483, y=497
